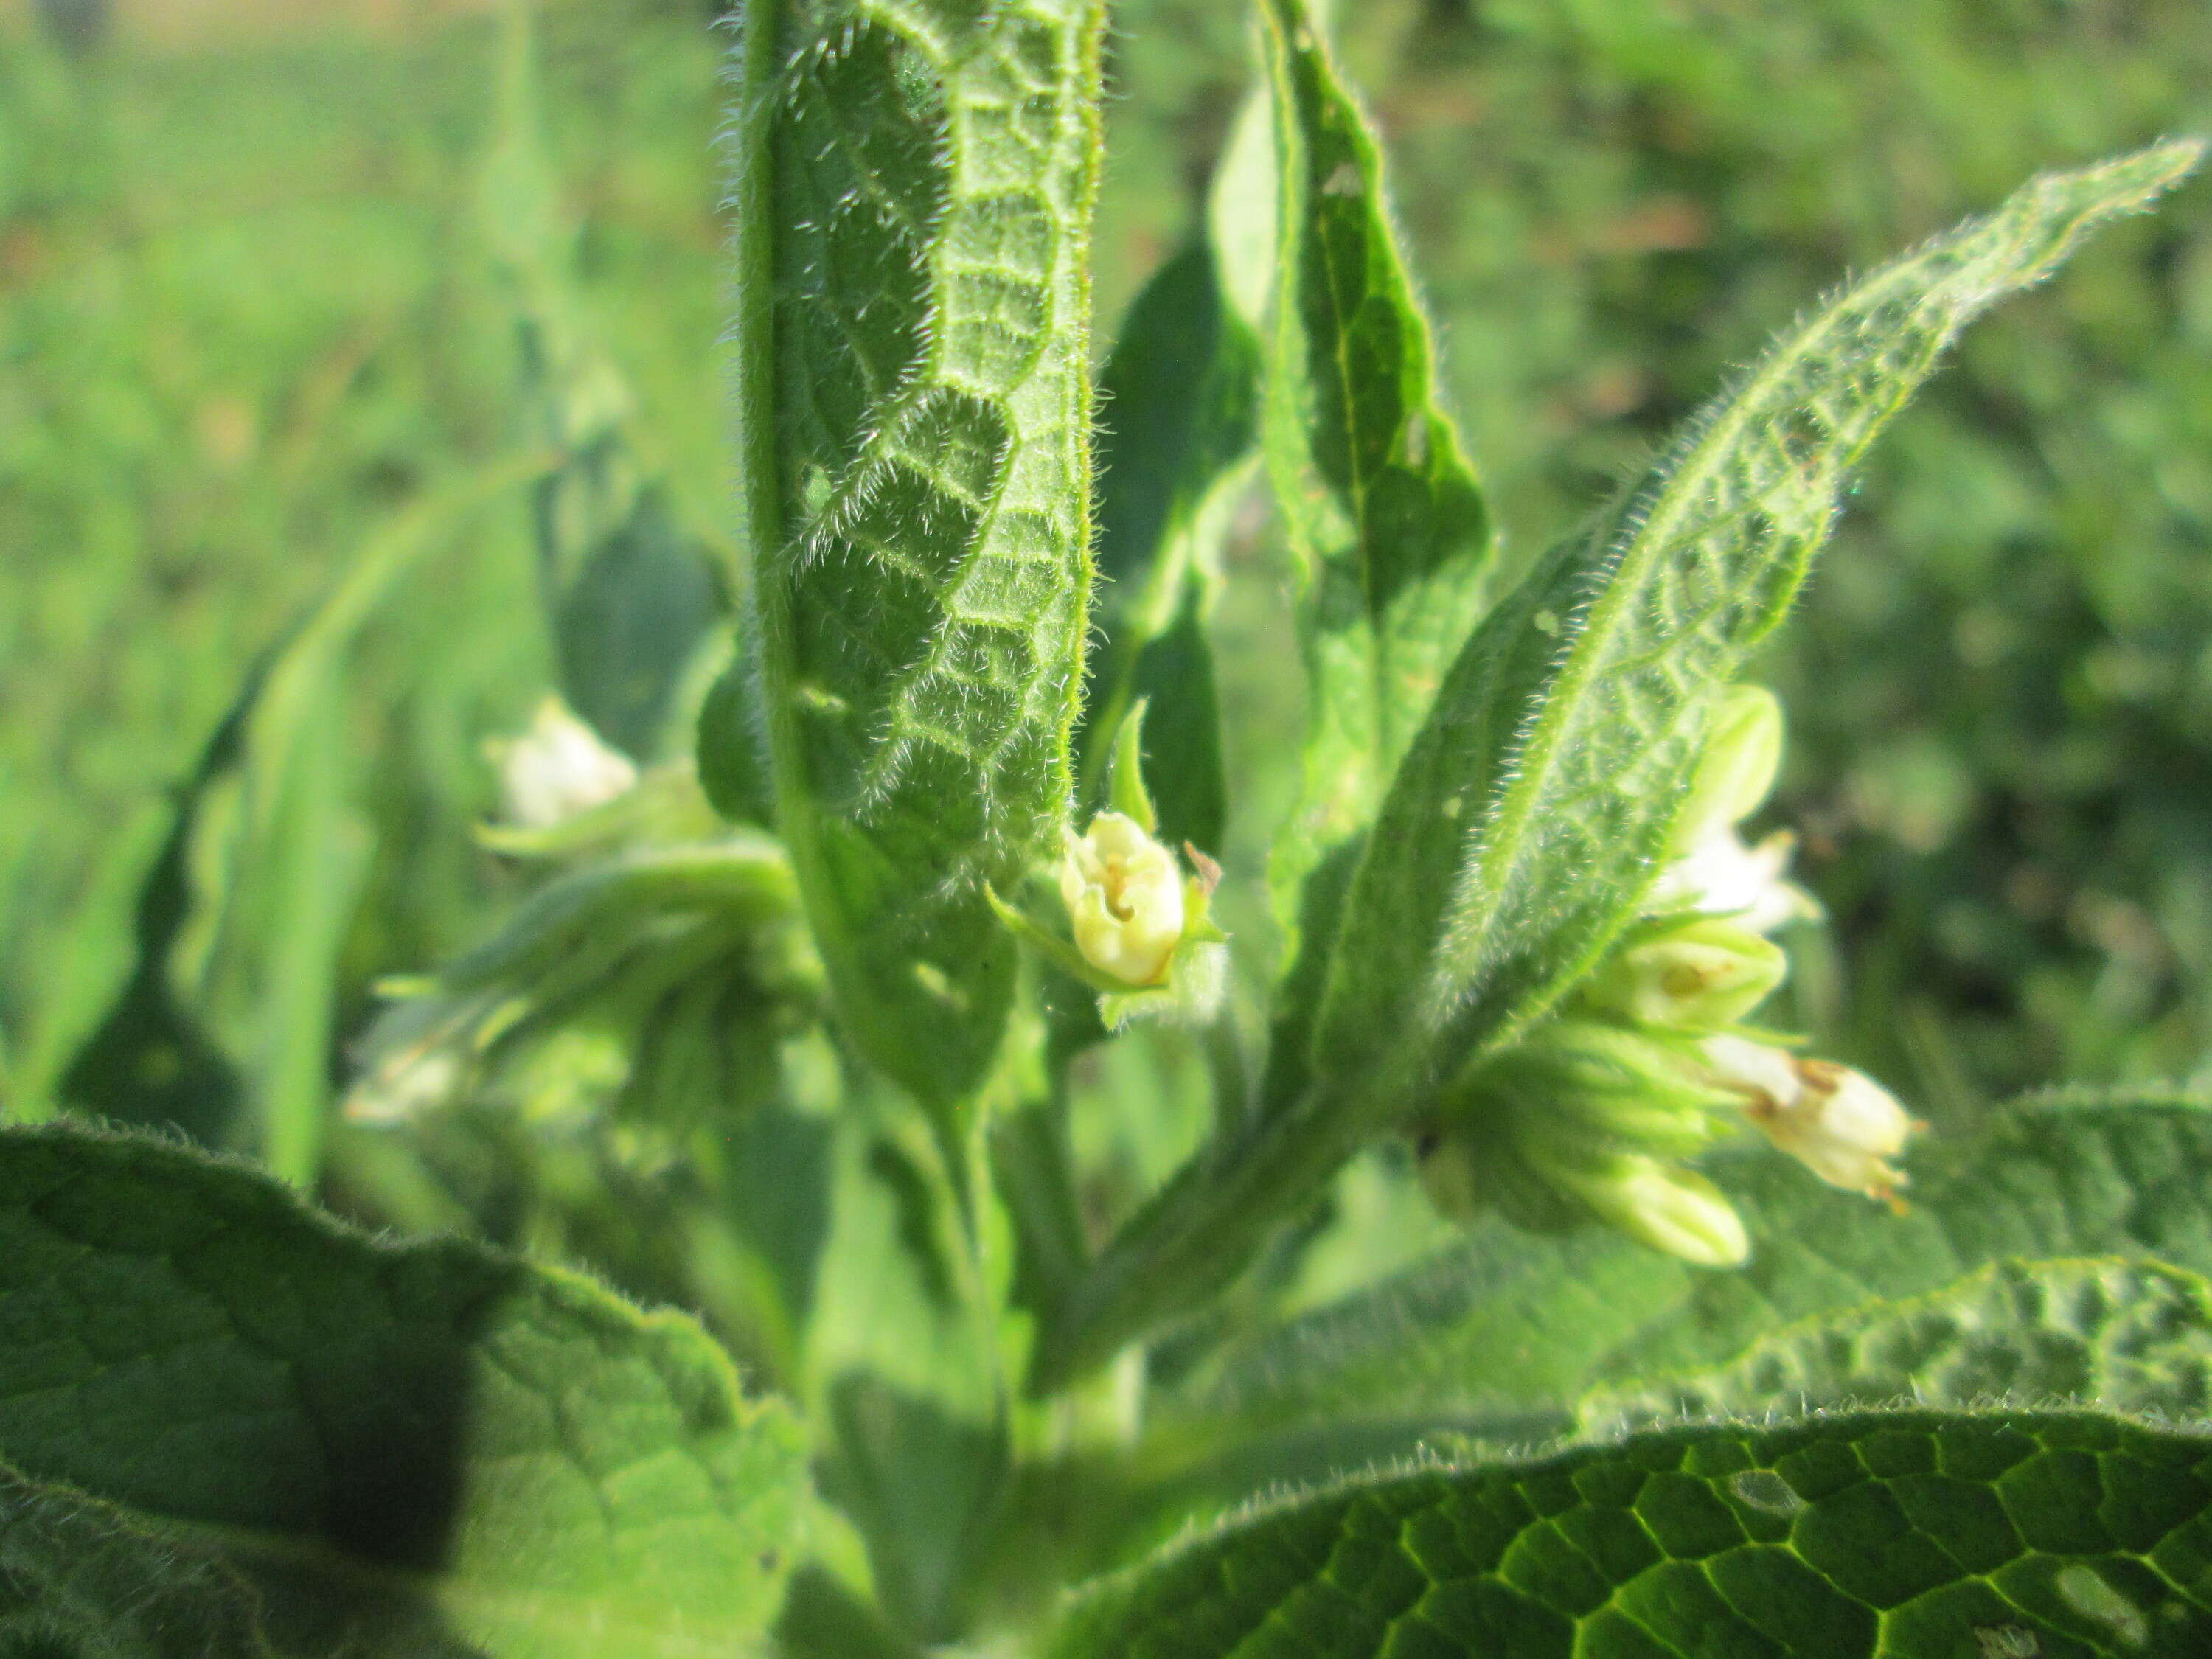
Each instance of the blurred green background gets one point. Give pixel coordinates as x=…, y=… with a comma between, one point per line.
x=252, y=316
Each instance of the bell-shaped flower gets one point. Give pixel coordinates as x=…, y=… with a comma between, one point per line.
x=558, y=769
x=1838, y=1122
x=1125, y=899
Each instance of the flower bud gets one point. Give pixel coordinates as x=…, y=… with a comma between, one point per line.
x=1580, y=1085
x=1838, y=1123
x=1125, y=899
x=1702, y=974
x=1661, y=1205
x=1743, y=751
x=558, y=769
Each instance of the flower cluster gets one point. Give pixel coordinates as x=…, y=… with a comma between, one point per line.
x=1652, y=1062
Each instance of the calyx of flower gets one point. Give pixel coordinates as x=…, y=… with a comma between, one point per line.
x=1703, y=974
x=1662, y=1205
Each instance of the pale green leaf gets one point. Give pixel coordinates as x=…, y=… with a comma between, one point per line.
x=1909, y=1535
x=630, y=591
x=390, y=1439
x=1534, y=809
x=911, y=205
x=2127, y=1336
x=1510, y=1328
x=223, y=1029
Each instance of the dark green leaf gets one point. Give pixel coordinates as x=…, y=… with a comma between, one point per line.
x=1910, y=1536
x=405, y=1437
x=77, y=1579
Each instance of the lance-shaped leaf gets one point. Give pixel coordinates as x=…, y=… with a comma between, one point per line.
x=630, y=591
x=408, y=1448
x=1380, y=508
x=2126, y=1336
x=1910, y=1534
x=1532, y=813
x=911, y=207
x=1175, y=452
x=1529, y=818
x=1506, y=1331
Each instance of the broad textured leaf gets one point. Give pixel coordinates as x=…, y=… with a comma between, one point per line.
x=1176, y=431
x=76, y=1579
x=1511, y=1328
x=2126, y=1336
x=1530, y=816
x=1908, y=1534
x=420, y=1448
x=911, y=208
x=1379, y=506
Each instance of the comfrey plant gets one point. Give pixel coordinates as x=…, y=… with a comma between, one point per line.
x=1397, y=1234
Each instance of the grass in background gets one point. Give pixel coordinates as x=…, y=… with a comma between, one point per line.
x=247, y=318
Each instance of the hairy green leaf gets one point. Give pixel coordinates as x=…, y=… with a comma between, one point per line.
x=912, y=202
x=1174, y=456
x=2128, y=1336
x=389, y=1439
x=1509, y=1329
x=1381, y=509
x=1533, y=812
x=1910, y=1534
x=1382, y=512
x=1530, y=817
x=77, y=1579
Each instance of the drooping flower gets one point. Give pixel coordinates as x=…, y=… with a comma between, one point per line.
x=1125, y=899
x=558, y=769
x=1837, y=1122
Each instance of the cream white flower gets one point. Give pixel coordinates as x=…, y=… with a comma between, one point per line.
x=558, y=769
x=1838, y=1122
x=1712, y=871
x=1125, y=899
